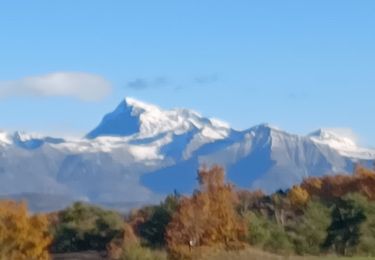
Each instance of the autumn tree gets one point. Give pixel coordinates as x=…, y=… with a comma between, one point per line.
x=208, y=218
x=120, y=245
x=22, y=236
x=336, y=186
x=298, y=196
x=365, y=181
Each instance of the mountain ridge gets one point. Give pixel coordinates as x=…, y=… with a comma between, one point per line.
x=139, y=153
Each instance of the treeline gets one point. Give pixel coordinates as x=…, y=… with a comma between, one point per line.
x=325, y=215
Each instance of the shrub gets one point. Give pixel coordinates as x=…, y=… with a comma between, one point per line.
x=84, y=227
x=310, y=230
x=152, y=227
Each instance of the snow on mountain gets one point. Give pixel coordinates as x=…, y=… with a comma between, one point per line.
x=343, y=141
x=262, y=157
x=5, y=139
x=150, y=128
x=140, y=152
x=33, y=141
x=133, y=117
x=26, y=140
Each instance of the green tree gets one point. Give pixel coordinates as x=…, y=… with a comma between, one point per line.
x=310, y=230
x=84, y=227
x=267, y=234
x=344, y=231
x=366, y=241
x=152, y=230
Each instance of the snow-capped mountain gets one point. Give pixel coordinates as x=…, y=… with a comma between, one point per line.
x=139, y=153
x=342, y=142
x=133, y=117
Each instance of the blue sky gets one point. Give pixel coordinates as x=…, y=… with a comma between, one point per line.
x=299, y=65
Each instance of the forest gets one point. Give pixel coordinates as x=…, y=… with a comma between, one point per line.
x=332, y=215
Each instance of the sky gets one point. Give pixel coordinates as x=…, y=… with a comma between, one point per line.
x=298, y=65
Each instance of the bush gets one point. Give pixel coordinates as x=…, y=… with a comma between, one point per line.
x=268, y=235
x=84, y=227
x=310, y=230
x=259, y=232
x=152, y=228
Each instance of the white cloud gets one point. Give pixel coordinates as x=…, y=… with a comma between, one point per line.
x=83, y=86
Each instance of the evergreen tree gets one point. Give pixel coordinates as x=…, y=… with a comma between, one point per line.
x=344, y=231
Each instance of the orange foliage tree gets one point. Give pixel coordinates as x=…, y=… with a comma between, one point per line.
x=208, y=218
x=298, y=196
x=22, y=236
x=362, y=181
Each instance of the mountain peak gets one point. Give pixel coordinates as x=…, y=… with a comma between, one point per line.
x=139, y=106
x=342, y=140
x=120, y=122
x=265, y=128
x=335, y=135
x=136, y=117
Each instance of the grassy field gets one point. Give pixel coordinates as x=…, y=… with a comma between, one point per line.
x=91, y=255
x=247, y=254
x=255, y=254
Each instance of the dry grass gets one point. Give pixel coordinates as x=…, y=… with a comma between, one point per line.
x=218, y=254
x=255, y=254
x=90, y=255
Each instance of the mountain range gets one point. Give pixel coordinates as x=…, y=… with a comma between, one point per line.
x=139, y=153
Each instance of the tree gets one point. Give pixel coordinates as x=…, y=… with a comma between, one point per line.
x=84, y=227
x=22, y=236
x=280, y=205
x=344, y=231
x=208, y=218
x=298, y=196
x=336, y=186
x=309, y=232
x=267, y=234
x=248, y=200
x=152, y=229
x=366, y=181
x=366, y=241
x=121, y=245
